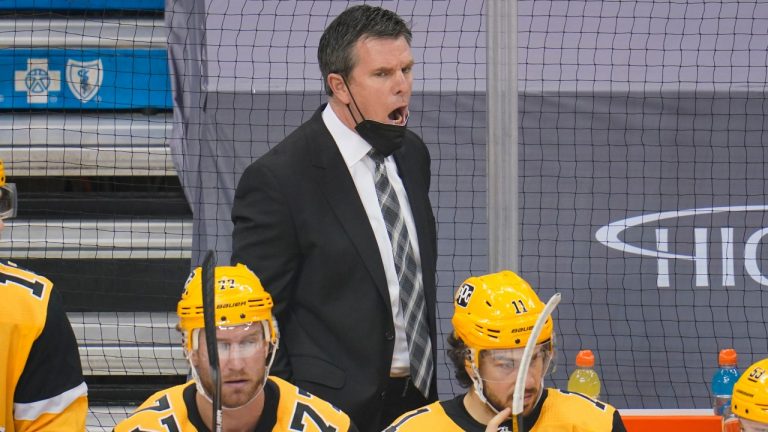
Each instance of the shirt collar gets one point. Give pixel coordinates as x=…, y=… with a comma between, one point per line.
x=351, y=145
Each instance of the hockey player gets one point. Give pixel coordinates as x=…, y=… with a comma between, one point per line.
x=493, y=318
x=247, y=338
x=41, y=383
x=750, y=398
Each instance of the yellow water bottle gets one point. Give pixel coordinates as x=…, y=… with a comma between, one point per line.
x=584, y=379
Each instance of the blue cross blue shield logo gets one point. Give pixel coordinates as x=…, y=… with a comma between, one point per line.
x=84, y=78
x=37, y=81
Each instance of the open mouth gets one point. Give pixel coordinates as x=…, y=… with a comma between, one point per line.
x=399, y=115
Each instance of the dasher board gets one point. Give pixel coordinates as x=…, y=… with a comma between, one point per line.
x=90, y=79
x=82, y=4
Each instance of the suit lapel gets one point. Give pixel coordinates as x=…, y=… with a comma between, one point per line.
x=333, y=176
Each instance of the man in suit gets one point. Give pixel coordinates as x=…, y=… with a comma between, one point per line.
x=336, y=219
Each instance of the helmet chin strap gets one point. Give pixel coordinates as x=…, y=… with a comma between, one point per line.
x=480, y=392
x=478, y=383
x=268, y=366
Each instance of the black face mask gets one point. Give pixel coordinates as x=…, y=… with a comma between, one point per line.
x=385, y=138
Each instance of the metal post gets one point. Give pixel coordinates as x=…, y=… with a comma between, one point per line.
x=501, y=94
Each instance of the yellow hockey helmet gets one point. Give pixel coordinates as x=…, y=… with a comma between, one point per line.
x=498, y=311
x=2, y=173
x=240, y=299
x=750, y=393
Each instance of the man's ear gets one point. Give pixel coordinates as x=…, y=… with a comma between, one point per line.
x=339, y=88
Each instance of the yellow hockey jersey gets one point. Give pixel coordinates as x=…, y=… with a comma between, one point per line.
x=286, y=407
x=41, y=380
x=556, y=411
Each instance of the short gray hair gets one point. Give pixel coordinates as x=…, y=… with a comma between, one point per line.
x=335, y=54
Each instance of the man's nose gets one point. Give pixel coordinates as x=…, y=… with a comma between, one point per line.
x=530, y=379
x=402, y=83
x=231, y=361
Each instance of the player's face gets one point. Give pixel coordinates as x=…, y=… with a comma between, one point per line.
x=242, y=359
x=498, y=370
x=752, y=426
x=381, y=81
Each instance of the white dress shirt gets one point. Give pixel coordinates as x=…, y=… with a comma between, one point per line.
x=354, y=149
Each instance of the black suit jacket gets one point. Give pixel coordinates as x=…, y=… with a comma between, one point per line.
x=300, y=226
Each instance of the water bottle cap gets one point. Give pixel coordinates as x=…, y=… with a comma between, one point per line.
x=585, y=358
x=728, y=357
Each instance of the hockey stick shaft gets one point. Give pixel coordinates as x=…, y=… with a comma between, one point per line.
x=209, y=319
x=525, y=362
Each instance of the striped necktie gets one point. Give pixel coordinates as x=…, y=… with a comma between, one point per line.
x=411, y=286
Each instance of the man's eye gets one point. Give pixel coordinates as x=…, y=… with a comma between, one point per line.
x=508, y=365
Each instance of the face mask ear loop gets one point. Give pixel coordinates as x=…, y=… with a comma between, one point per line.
x=353, y=101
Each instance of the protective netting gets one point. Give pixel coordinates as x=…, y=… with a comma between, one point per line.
x=642, y=180
x=641, y=146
